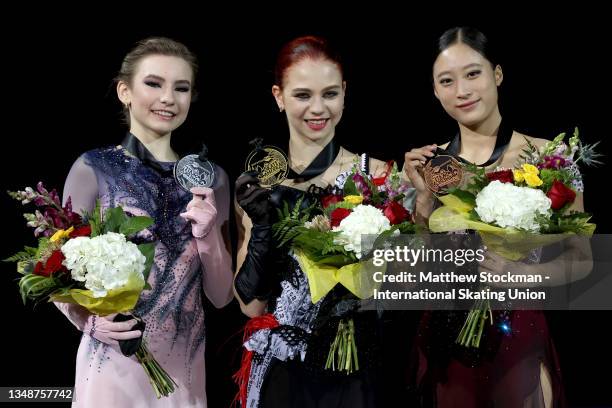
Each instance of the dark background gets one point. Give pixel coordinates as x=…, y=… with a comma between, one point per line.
x=60, y=103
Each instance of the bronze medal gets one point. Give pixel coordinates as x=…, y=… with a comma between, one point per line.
x=442, y=172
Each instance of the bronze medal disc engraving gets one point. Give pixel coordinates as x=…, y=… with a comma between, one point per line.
x=442, y=172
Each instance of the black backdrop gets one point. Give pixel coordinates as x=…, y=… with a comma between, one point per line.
x=60, y=103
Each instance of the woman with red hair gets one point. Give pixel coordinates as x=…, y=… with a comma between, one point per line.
x=287, y=348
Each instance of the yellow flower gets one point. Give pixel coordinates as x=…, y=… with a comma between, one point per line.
x=353, y=199
x=519, y=176
x=532, y=180
x=61, y=234
x=531, y=169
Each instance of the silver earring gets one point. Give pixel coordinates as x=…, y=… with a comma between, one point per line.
x=281, y=108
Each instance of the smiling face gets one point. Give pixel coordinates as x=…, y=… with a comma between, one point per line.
x=159, y=95
x=313, y=98
x=466, y=84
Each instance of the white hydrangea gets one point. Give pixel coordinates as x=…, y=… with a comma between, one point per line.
x=365, y=219
x=104, y=262
x=508, y=205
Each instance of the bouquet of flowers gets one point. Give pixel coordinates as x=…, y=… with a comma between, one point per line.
x=518, y=210
x=326, y=239
x=88, y=261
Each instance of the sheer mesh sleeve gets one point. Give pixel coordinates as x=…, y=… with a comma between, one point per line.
x=82, y=187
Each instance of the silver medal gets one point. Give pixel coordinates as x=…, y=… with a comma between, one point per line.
x=191, y=172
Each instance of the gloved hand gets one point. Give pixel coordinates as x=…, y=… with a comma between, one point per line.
x=254, y=199
x=103, y=328
x=255, y=278
x=201, y=211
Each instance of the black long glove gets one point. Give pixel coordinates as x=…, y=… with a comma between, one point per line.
x=254, y=199
x=255, y=279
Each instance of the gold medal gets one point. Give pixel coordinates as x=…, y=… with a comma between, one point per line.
x=270, y=163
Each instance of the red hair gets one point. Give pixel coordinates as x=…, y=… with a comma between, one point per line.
x=312, y=47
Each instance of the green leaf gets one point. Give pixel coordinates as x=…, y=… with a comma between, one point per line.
x=349, y=187
x=337, y=260
x=43, y=247
x=135, y=224
x=94, y=219
x=559, y=223
x=530, y=151
x=114, y=218
x=478, y=180
x=548, y=176
x=295, y=213
x=464, y=196
x=291, y=223
x=378, y=198
x=319, y=245
x=473, y=215
x=341, y=204
x=148, y=250
x=36, y=287
x=26, y=266
x=25, y=255
x=407, y=227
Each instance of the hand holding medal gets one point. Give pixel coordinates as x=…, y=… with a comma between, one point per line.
x=269, y=163
x=195, y=170
x=196, y=174
x=442, y=172
x=431, y=169
x=266, y=167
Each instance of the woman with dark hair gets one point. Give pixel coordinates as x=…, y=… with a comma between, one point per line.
x=155, y=86
x=515, y=369
x=289, y=345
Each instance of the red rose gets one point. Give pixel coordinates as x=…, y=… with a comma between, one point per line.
x=38, y=268
x=505, y=176
x=83, y=231
x=395, y=212
x=330, y=199
x=560, y=195
x=338, y=215
x=54, y=264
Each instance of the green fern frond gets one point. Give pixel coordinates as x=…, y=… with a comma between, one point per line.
x=25, y=255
